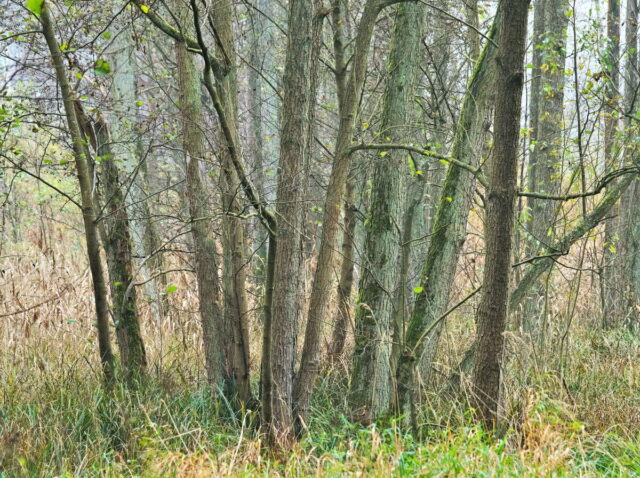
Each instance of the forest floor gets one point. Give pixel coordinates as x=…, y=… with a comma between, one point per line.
x=571, y=409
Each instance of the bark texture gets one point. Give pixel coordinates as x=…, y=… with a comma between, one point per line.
x=500, y=204
x=119, y=253
x=205, y=253
x=370, y=385
x=546, y=127
x=449, y=228
x=292, y=178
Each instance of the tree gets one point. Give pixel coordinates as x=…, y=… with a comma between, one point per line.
x=370, y=387
x=546, y=125
x=450, y=224
x=89, y=215
x=297, y=110
x=205, y=253
x=629, y=228
x=492, y=311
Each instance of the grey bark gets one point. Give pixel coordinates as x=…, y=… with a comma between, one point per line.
x=449, y=229
x=292, y=174
x=609, y=286
x=545, y=160
x=205, y=252
x=626, y=303
x=370, y=386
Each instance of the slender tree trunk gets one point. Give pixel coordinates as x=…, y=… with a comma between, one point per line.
x=449, y=228
x=545, y=160
x=262, y=113
x=345, y=284
x=205, y=252
x=627, y=307
x=126, y=146
x=118, y=249
x=85, y=182
x=610, y=286
x=471, y=16
x=234, y=230
x=349, y=92
x=370, y=385
x=503, y=174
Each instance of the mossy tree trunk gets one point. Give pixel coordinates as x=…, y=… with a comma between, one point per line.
x=119, y=253
x=546, y=157
x=370, y=387
x=449, y=228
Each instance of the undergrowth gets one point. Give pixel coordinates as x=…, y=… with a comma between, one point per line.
x=61, y=422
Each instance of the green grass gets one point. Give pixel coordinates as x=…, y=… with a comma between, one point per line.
x=72, y=427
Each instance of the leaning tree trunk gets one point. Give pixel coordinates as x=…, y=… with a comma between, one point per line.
x=370, y=385
x=449, y=228
x=85, y=181
x=500, y=205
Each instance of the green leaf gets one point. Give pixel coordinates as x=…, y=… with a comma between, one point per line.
x=383, y=154
x=171, y=288
x=139, y=103
x=35, y=6
x=418, y=290
x=102, y=67
x=144, y=8
x=106, y=35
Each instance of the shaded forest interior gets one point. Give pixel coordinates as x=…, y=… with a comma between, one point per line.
x=319, y=237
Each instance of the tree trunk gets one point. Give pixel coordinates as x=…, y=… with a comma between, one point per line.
x=292, y=178
x=345, y=284
x=205, y=252
x=609, y=285
x=118, y=249
x=126, y=146
x=501, y=194
x=88, y=207
x=545, y=160
x=234, y=243
x=627, y=306
x=449, y=228
x=370, y=385
x=349, y=96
